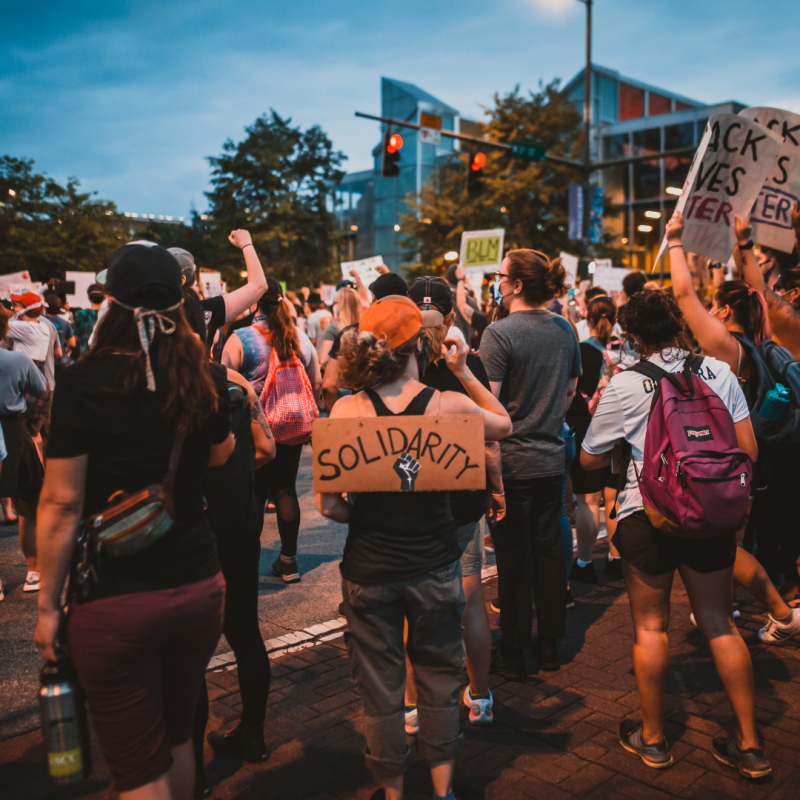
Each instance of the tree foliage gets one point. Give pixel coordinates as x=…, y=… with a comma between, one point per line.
x=528, y=199
x=276, y=183
x=47, y=228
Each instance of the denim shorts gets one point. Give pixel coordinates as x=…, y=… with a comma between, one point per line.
x=470, y=540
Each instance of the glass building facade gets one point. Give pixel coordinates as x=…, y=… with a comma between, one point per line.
x=630, y=118
x=368, y=205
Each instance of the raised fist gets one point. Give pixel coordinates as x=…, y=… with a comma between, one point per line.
x=407, y=468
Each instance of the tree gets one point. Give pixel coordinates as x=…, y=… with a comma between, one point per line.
x=276, y=183
x=528, y=199
x=48, y=229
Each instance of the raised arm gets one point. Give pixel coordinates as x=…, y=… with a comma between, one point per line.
x=497, y=423
x=783, y=317
x=241, y=299
x=461, y=295
x=710, y=333
x=363, y=292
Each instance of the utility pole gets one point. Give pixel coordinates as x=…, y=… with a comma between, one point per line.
x=587, y=126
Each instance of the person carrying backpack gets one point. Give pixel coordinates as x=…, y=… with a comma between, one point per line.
x=288, y=396
x=705, y=553
x=732, y=333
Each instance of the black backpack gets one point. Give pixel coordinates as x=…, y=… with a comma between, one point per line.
x=773, y=364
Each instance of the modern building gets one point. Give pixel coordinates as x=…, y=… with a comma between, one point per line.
x=628, y=118
x=369, y=206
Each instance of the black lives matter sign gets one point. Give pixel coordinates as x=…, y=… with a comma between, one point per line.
x=399, y=454
x=734, y=159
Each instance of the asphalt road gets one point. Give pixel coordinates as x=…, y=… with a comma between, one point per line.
x=282, y=607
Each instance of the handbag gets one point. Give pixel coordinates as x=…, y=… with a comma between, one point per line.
x=132, y=521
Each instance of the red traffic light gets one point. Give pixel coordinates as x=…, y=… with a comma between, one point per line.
x=395, y=142
x=478, y=160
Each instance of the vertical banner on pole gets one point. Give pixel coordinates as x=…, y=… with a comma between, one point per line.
x=575, y=212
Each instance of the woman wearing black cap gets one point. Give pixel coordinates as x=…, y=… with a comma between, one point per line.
x=401, y=558
x=139, y=410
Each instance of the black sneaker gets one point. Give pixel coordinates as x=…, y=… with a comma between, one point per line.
x=547, y=653
x=614, y=569
x=286, y=571
x=202, y=788
x=247, y=745
x=656, y=756
x=751, y=763
x=495, y=604
x=583, y=574
x=512, y=669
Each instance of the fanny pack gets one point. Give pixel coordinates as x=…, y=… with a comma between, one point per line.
x=132, y=521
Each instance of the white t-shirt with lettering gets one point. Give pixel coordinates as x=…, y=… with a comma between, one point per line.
x=624, y=409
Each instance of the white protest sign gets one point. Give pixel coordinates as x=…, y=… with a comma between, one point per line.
x=771, y=216
x=83, y=280
x=570, y=264
x=21, y=288
x=608, y=277
x=366, y=269
x=482, y=249
x=475, y=280
x=734, y=159
x=212, y=282
x=327, y=291
x=13, y=279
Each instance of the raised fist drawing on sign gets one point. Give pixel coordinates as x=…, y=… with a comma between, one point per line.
x=407, y=468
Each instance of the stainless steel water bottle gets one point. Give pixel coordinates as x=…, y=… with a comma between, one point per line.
x=65, y=726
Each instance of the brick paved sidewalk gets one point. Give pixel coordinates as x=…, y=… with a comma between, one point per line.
x=554, y=737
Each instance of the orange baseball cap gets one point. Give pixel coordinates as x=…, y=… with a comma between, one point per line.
x=397, y=320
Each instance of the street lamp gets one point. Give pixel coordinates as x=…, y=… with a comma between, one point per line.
x=587, y=124
x=451, y=255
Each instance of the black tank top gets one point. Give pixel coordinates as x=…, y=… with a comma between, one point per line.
x=395, y=536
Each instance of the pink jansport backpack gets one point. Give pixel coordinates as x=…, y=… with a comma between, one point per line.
x=695, y=481
x=287, y=398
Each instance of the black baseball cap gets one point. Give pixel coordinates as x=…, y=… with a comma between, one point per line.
x=132, y=269
x=314, y=297
x=430, y=291
x=346, y=283
x=388, y=283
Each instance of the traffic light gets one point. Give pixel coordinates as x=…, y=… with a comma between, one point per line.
x=476, y=163
x=392, y=143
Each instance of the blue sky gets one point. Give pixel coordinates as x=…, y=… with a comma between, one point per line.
x=131, y=96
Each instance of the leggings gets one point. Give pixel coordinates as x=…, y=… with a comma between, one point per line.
x=278, y=478
x=566, y=528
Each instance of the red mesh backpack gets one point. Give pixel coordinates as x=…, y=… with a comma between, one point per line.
x=287, y=398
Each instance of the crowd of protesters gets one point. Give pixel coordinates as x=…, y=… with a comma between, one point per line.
x=158, y=402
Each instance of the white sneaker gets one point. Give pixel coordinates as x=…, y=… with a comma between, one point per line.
x=736, y=615
x=774, y=632
x=412, y=721
x=480, y=711
x=31, y=582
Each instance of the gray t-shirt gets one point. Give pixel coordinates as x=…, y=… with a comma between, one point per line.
x=18, y=376
x=534, y=354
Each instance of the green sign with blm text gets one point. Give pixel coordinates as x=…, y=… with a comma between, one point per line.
x=527, y=151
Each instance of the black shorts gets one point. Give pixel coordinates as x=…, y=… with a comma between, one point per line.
x=22, y=472
x=656, y=553
x=593, y=480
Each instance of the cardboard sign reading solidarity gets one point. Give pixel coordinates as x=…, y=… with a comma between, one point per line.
x=729, y=168
x=399, y=454
x=771, y=216
x=482, y=249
